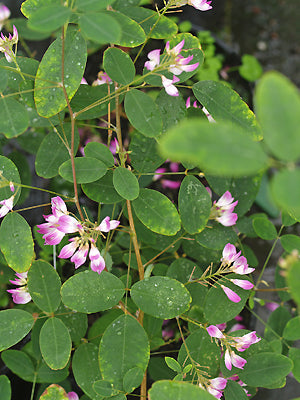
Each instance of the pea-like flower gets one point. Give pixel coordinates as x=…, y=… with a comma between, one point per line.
x=4, y=14
x=20, y=295
x=216, y=387
x=7, y=205
x=232, y=359
x=222, y=210
x=234, y=260
x=7, y=43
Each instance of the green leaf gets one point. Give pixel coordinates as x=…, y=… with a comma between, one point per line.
x=194, y=205
x=277, y=105
x=118, y=65
x=103, y=190
x=99, y=151
x=163, y=26
x=219, y=149
x=47, y=375
x=44, y=286
x=48, y=94
x=20, y=160
x=87, y=170
x=14, y=325
x=182, y=268
x=100, y=27
x=5, y=389
x=104, y=388
x=161, y=297
x=99, y=326
x=53, y=151
x=89, y=292
x=124, y=346
x=168, y=390
x=251, y=70
x=234, y=391
x=132, y=34
x=293, y=279
x=19, y=363
x=224, y=104
x=11, y=174
x=13, y=117
x=93, y=5
x=25, y=32
x=132, y=379
x=76, y=323
x=216, y=237
x=264, y=369
x=126, y=183
x=49, y=18
x=294, y=355
x=30, y=6
x=54, y=392
x=157, y=212
x=143, y=113
x=292, y=329
x=264, y=228
x=172, y=109
x=86, y=369
x=285, y=187
x=218, y=308
x=290, y=242
x=55, y=343
x=144, y=156
x=173, y=364
x=16, y=242
x=203, y=351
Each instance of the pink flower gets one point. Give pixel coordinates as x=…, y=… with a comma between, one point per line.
x=4, y=14
x=232, y=296
x=72, y=396
x=233, y=359
x=21, y=294
x=154, y=57
x=217, y=385
x=209, y=117
x=68, y=224
x=69, y=249
x=168, y=184
x=6, y=44
x=222, y=210
x=107, y=225
x=58, y=206
x=241, y=267
x=83, y=82
x=202, y=5
x=180, y=63
x=272, y=306
x=11, y=186
x=244, y=342
x=244, y=284
x=102, y=79
x=79, y=257
x=229, y=254
x=7, y=205
x=169, y=87
x=97, y=261
x=213, y=331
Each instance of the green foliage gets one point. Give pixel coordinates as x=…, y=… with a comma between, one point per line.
x=15, y=324
x=5, y=389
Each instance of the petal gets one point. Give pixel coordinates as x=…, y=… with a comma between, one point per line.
x=232, y=296
x=227, y=219
x=107, y=225
x=244, y=284
x=58, y=206
x=68, y=250
x=79, y=257
x=53, y=237
x=218, y=383
x=20, y=295
x=237, y=361
x=225, y=199
x=213, y=331
x=98, y=265
x=72, y=396
x=68, y=224
x=227, y=360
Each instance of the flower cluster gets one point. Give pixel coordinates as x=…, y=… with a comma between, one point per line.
x=175, y=63
x=202, y=5
x=214, y=386
x=60, y=223
x=240, y=343
x=4, y=14
x=7, y=204
x=20, y=295
x=222, y=210
x=7, y=43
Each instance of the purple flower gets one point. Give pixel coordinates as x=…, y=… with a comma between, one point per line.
x=6, y=44
x=168, y=85
x=222, y=210
x=214, y=331
x=216, y=386
x=7, y=205
x=244, y=284
x=72, y=396
x=4, y=14
x=202, y=5
x=154, y=57
x=232, y=296
x=239, y=263
x=229, y=254
x=97, y=261
x=107, y=225
x=21, y=294
x=102, y=79
x=233, y=359
x=79, y=257
x=244, y=342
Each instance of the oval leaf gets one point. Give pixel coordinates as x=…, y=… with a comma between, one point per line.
x=161, y=297
x=194, y=205
x=125, y=183
x=99, y=151
x=50, y=18
x=124, y=346
x=93, y=5
x=16, y=242
x=143, y=153
x=89, y=292
x=168, y=390
x=20, y=364
x=104, y=388
x=13, y=117
x=220, y=149
x=14, y=325
x=5, y=389
x=48, y=94
x=132, y=379
x=132, y=34
x=87, y=170
x=292, y=329
x=55, y=343
x=44, y=286
x=157, y=212
x=264, y=228
x=103, y=190
x=54, y=392
x=290, y=242
x=100, y=27
x=118, y=65
x=285, y=187
x=11, y=174
x=143, y=113
x=216, y=237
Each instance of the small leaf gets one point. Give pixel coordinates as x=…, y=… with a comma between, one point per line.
x=264, y=228
x=251, y=70
x=5, y=389
x=125, y=183
x=87, y=170
x=49, y=18
x=16, y=242
x=14, y=325
x=216, y=237
x=194, y=205
x=292, y=329
x=167, y=390
x=294, y=355
x=44, y=286
x=132, y=34
x=55, y=343
x=30, y=6
x=13, y=117
x=20, y=364
x=124, y=346
x=143, y=113
x=157, y=212
x=173, y=364
x=285, y=187
x=89, y=292
x=11, y=174
x=144, y=156
x=132, y=379
x=234, y=391
x=118, y=65
x=172, y=108
x=290, y=242
x=264, y=369
x=54, y=392
x=93, y=5
x=104, y=388
x=49, y=96
x=100, y=27
x=293, y=280
x=99, y=151
x=161, y=297
x=102, y=190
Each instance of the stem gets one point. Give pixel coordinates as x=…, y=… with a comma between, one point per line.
x=72, y=125
x=54, y=256
x=162, y=252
